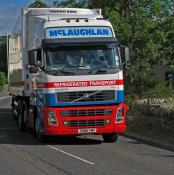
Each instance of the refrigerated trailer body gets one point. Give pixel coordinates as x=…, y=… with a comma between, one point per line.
x=66, y=74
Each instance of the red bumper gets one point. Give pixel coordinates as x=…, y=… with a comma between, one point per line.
x=61, y=129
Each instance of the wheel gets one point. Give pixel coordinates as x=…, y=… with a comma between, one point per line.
x=13, y=108
x=110, y=138
x=15, y=117
x=26, y=122
x=38, y=133
x=20, y=118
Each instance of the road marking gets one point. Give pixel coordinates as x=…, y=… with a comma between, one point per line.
x=71, y=155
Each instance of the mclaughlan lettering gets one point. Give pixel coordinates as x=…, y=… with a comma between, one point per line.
x=79, y=32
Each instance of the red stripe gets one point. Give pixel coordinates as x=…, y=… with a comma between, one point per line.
x=80, y=83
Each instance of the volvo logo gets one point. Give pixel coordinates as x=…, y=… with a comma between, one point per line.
x=86, y=95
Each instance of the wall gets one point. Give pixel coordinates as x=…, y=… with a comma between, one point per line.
x=153, y=116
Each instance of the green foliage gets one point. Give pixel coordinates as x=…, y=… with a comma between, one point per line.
x=160, y=90
x=129, y=100
x=71, y=3
x=3, y=79
x=38, y=4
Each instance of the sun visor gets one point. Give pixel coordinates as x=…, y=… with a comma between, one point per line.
x=77, y=42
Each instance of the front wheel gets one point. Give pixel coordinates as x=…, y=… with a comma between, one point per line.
x=110, y=138
x=39, y=135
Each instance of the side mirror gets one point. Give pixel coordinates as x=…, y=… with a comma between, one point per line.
x=125, y=53
x=127, y=57
x=33, y=69
x=39, y=55
x=32, y=58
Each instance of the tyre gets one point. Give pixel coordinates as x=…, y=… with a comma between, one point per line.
x=20, y=118
x=110, y=138
x=13, y=108
x=38, y=133
x=26, y=122
x=15, y=117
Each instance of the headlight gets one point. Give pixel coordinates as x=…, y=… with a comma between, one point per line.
x=52, y=119
x=119, y=116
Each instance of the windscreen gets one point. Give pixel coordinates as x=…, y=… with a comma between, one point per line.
x=81, y=59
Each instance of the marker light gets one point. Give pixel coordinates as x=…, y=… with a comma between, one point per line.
x=65, y=123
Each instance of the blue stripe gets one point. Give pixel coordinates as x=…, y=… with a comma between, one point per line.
x=120, y=97
x=51, y=100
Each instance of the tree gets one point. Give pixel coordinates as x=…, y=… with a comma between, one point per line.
x=71, y=3
x=38, y=4
x=3, y=79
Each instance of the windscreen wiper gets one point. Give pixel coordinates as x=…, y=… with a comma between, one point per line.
x=101, y=69
x=64, y=71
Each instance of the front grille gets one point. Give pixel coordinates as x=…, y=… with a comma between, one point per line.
x=91, y=112
x=77, y=123
x=105, y=95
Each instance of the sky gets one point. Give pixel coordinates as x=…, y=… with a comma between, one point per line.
x=9, y=13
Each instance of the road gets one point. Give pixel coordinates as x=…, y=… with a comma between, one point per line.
x=22, y=154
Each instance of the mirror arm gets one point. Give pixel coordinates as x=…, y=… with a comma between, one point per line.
x=125, y=65
x=36, y=65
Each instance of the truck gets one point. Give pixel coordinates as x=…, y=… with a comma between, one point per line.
x=66, y=74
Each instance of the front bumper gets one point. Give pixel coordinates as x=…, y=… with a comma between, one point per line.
x=62, y=129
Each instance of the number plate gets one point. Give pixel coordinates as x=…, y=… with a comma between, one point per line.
x=89, y=130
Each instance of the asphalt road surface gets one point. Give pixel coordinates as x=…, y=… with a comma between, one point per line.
x=22, y=154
